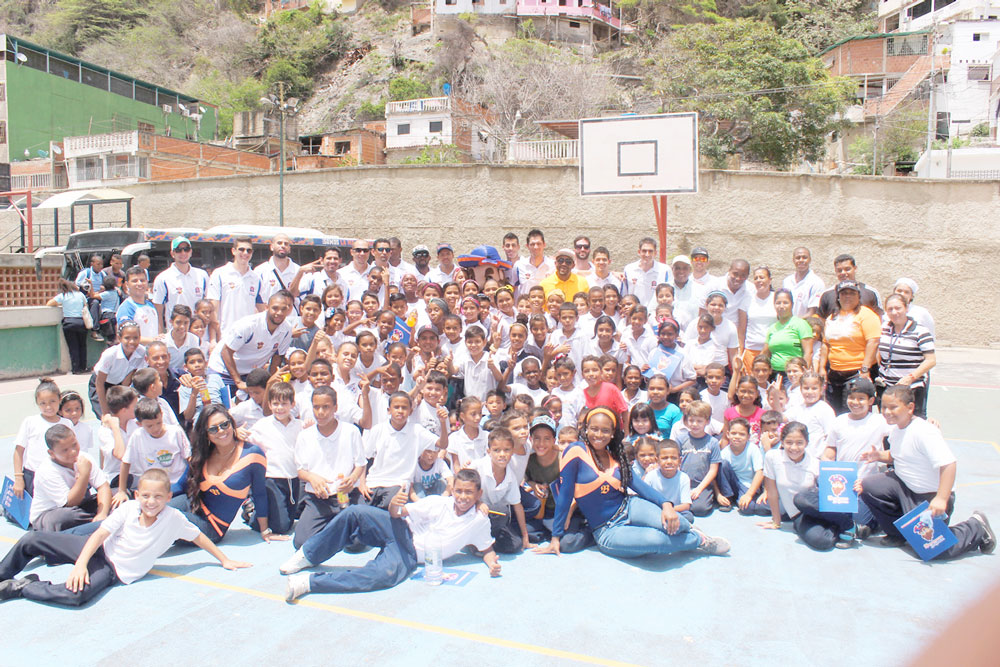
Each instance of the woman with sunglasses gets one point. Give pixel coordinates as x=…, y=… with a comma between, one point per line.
x=596, y=473
x=224, y=471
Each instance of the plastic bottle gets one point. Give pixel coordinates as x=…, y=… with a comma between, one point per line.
x=342, y=499
x=433, y=568
x=411, y=320
x=206, y=398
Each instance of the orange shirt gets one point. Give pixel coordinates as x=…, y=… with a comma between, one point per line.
x=846, y=336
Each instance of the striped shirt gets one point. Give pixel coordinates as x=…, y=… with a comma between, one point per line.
x=903, y=351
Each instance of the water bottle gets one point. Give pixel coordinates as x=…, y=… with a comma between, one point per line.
x=433, y=568
x=342, y=498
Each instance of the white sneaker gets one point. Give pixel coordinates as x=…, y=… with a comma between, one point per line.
x=712, y=546
x=296, y=586
x=297, y=562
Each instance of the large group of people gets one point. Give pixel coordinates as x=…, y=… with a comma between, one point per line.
x=494, y=402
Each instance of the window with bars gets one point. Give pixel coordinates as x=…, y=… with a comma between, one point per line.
x=909, y=45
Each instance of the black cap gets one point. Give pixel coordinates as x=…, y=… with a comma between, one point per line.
x=699, y=251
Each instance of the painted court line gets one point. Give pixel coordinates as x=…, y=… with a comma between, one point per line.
x=389, y=620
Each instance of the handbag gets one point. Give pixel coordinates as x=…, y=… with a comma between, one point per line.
x=88, y=319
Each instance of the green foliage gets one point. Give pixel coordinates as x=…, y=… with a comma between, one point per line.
x=371, y=111
x=901, y=136
x=757, y=93
x=820, y=23
x=981, y=130
x=436, y=154
x=231, y=97
x=76, y=23
x=406, y=88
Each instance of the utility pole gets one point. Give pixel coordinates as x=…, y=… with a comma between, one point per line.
x=875, y=148
x=281, y=151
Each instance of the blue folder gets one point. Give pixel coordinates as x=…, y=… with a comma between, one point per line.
x=836, y=486
x=18, y=508
x=928, y=535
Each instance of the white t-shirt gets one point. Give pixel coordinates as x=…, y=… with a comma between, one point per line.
x=760, y=315
x=172, y=287
x=269, y=273
x=247, y=413
x=702, y=354
x=278, y=442
x=724, y=334
x=435, y=516
x=85, y=436
x=168, y=452
x=356, y=281
x=110, y=464
x=31, y=436
x=330, y=456
x=426, y=478
x=116, y=367
x=177, y=351
x=918, y=453
x=818, y=418
x=237, y=293
x=53, y=482
x=642, y=283
x=789, y=476
x=517, y=389
x=467, y=449
x=854, y=437
x=735, y=301
x=478, y=377
x=252, y=344
x=396, y=452
x=133, y=548
x=573, y=401
x=805, y=293
x=498, y=496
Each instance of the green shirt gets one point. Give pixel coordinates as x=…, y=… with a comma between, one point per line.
x=785, y=340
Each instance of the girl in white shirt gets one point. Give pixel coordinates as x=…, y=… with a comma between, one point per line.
x=30, y=450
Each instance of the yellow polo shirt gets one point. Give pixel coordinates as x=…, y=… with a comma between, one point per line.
x=569, y=287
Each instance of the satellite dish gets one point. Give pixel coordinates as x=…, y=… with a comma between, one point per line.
x=21, y=58
x=182, y=107
x=56, y=150
x=293, y=101
x=27, y=153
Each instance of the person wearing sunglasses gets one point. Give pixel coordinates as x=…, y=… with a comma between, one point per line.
x=180, y=283
x=234, y=288
x=223, y=473
x=581, y=247
x=355, y=274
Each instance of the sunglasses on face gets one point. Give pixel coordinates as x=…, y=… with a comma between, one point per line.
x=383, y=249
x=359, y=249
x=582, y=246
x=221, y=426
x=246, y=250
x=182, y=248
x=421, y=254
x=564, y=260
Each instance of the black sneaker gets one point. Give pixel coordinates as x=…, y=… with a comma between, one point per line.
x=989, y=541
x=11, y=588
x=892, y=541
x=862, y=531
x=248, y=508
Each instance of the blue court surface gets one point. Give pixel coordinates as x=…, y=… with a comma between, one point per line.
x=771, y=601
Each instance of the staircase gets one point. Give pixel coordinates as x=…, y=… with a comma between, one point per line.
x=918, y=72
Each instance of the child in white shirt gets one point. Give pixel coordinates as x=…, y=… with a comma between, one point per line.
x=62, y=485
x=277, y=435
x=155, y=445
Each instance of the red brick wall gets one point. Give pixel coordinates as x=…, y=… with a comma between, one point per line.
x=19, y=287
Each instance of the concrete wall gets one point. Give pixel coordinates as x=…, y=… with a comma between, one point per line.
x=32, y=342
x=942, y=234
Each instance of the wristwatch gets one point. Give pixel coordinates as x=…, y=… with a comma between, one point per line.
x=266, y=532
x=865, y=369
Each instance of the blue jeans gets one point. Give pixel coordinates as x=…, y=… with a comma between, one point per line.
x=395, y=562
x=638, y=531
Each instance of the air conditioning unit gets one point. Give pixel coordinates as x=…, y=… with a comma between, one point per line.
x=167, y=108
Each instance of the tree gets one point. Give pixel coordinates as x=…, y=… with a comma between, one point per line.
x=757, y=93
x=820, y=23
x=76, y=23
x=901, y=136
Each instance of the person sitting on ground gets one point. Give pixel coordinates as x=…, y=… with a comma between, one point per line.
x=123, y=550
x=63, y=484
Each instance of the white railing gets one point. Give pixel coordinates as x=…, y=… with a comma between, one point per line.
x=38, y=182
x=549, y=150
x=418, y=106
x=113, y=142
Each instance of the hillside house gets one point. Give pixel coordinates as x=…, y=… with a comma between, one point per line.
x=363, y=145
x=912, y=15
x=584, y=22
x=412, y=125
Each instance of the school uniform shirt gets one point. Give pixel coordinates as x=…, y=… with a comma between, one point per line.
x=640, y=397
x=247, y=413
x=760, y=316
x=465, y=448
x=116, y=367
x=361, y=368
x=477, y=374
x=616, y=352
x=316, y=283
x=703, y=354
x=237, y=293
x=688, y=300
x=85, y=436
x=818, y=418
x=642, y=282
x=595, y=280
x=348, y=409
x=53, y=482
x=177, y=351
x=572, y=404
x=74, y=302
x=498, y=496
x=356, y=281
x=854, y=437
x=31, y=436
x=172, y=287
x=639, y=348
x=143, y=314
x=735, y=301
x=529, y=275
x=273, y=279
x=132, y=548
x=724, y=334
x=253, y=345
x=719, y=402
x=215, y=388
x=169, y=452
x=745, y=464
x=805, y=292
x=918, y=452
x=396, y=452
x=426, y=480
x=790, y=477
x=278, y=442
x=329, y=456
x=673, y=364
x=89, y=279
x=111, y=465
x=698, y=455
x=538, y=395
x=676, y=489
x=435, y=515
x=110, y=300
x=169, y=416
x=578, y=346
x=425, y=415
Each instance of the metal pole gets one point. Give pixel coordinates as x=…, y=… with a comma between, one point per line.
x=281, y=165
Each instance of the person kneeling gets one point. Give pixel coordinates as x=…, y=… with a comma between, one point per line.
x=401, y=535
x=122, y=550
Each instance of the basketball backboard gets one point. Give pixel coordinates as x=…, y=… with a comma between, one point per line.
x=639, y=155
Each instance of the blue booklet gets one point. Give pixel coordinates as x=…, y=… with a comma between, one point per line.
x=663, y=363
x=400, y=332
x=451, y=576
x=836, y=486
x=19, y=508
x=928, y=535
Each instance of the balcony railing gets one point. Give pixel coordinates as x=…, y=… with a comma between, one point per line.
x=427, y=104
x=549, y=150
x=38, y=182
x=112, y=142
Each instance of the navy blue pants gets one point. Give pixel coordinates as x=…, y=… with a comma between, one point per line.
x=282, y=504
x=395, y=562
x=577, y=537
x=57, y=549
